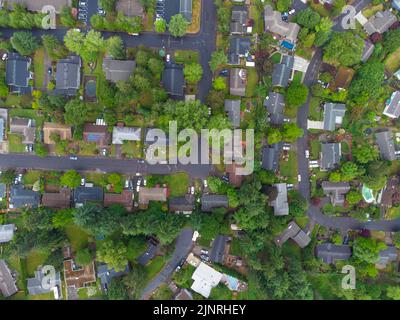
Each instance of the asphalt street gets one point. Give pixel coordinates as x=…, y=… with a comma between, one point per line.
x=358, y=5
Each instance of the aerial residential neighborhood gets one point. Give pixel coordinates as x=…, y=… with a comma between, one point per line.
x=101, y=198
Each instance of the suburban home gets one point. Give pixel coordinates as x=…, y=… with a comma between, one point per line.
x=76, y=276
x=384, y=139
x=282, y=72
x=219, y=249
x=380, y=22
x=330, y=253
x=130, y=8
x=392, y=109
x=105, y=274
x=125, y=199
x=274, y=24
x=150, y=253
x=37, y=5
x=3, y=122
x=280, y=203
x=185, y=9
x=270, y=156
x=3, y=191
x=275, y=103
x=68, y=76
x=237, y=82
x=387, y=256
x=121, y=134
x=96, y=133
x=173, y=79
x=184, y=204
x=368, y=50
x=294, y=232
x=330, y=155
x=152, y=194
x=6, y=232
x=239, y=47
x=232, y=108
x=209, y=202
x=25, y=127
x=7, y=281
x=239, y=20
x=205, y=278
x=35, y=285
x=18, y=74
x=389, y=191
x=20, y=198
x=333, y=115
x=87, y=194
x=342, y=79
x=336, y=191
x=231, y=171
x=118, y=70
x=59, y=200
x=62, y=130
x=183, y=294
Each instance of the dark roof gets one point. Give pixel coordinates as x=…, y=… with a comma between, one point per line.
x=35, y=286
x=105, y=274
x=125, y=198
x=182, y=204
x=238, y=47
x=20, y=197
x=59, y=200
x=384, y=139
x=232, y=107
x=390, y=254
x=96, y=133
x=209, y=202
x=68, y=76
x=270, y=156
x=281, y=75
x=330, y=155
x=330, y=253
x=85, y=194
x=118, y=70
x=7, y=282
x=333, y=115
x=218, y=249
x=275, y=103
x=149, y=254
x=336, y=190
x=17, y=73
x=173, y=79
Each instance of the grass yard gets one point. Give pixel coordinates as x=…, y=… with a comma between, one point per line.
x=315, y=109
x=31, y=177
x=15, y=143
x=178, y=184
x=298, y=76
x=99, y=179
x=345, y=147
x=162, y=293
x=276, y=57
x=289, y=168
x=290, y=112
x=154, y=267
x=258, y=18
x=77, y=237
x=34, y=259
x=38, y=66
x=315, y=149
x=186, y=56
x=132, y=149
x=194, y=27
x=87, y=148
x=12, y=100
x=252, y=80
x=370, y=11
x=392, y=62
x=221, y=292
x=393, y=213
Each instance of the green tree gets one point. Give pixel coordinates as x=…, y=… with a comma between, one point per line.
x=274, y=135
x=24, y=42
x=296, y=94
x=142, y=58
x=218, y=58
x=344, y=48
x=156, y=66
x=391, y=41
x=160, y=25
x=367, y=249
x=219, y=83
x=223, y=19
x=75, y=112
x=66, y=17
x=116, y=290
x=353, y=197
x=107, y=5
x=283, y=5
x=114, y=254
x=308, y=18
x=335, y=177
x=71, y=179
x=63, y=217
x=365, y=153
x=349, y=171
x=193, y=72
x=54, y=48
x=393, y=292
x=84, y=257
x=178, y=25
x=115, y=179
x=115, y=48
x=7, y=177
x=135, y=282
x=291, y=132
x=297, y=204
x=41, y=150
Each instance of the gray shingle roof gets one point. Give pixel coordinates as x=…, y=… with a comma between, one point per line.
x=385, y=143
x=388, y=255
x=118, y=70
x=392, y=108
x=238, y=47
x=35, y=284
x=86, y=194
x=237, y=82
x=17, y=73
x=333, y=115
x=330, y=253
x=20, y=197
x=7, y=282
x=280, y=204
x=380, y=22
x=281, y=75
x=173, y=79
x=239, y=19
x=217, y=253
x=182, y=204
x=275, y=103
x=6, y=232
x=270, y=156
x=330, y=155
x=105, y=274
x=209, y=202
x=232, y=107
x=121, y=134
x=336, y=190
x=68, y=76
x=274, y=23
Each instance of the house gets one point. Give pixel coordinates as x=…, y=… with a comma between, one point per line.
x=209, y=202
x=68, y=76
x=280, y=203
x=384, y=139
x=173, y=79
x=234, y=178
x=219, y=249
x=380, y=22
x=368, y=50
x=3, y=191
x=125, y=199
x=36, y=286
x=184, y=204
x=333, y=115
x=387, y=256
x=205, y=278
x=330, y=155
x=105, y=274
x=237, y=82
x=239, y=20
x=150, y=253
x=293, y=232
x=392, y=109
x=20, y=198
x=274, y=24
x=330, y=253
x=37, y=5
x=3, y=122
x=17, y=73
x=87, y=194
x=342, y=79
x=152, y=194
x=183, y=294
x=232, y=108
x=185, y=9
x=59, y=200
x=25, y=127
x=336, y=191
x=121, y=134
x=270, y=156
x=282, y=72
x=6, y=232
x=7, y=281
x=389, y=191
x=118, y=70
x=239, y=47
x=76, y=276
x=130, y=8
x=96, y=133
x=62, y=130
x=275, y=103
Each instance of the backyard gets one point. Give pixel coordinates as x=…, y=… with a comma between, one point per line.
x=252, y=80
x=392, y=62
x=38, y=65
x=289, y=168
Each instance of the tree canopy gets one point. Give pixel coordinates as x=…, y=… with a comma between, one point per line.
x=344, y=48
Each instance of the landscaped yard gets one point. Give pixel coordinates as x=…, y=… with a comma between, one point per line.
x=15, y=143
x=163, y=292
x=77, y=237
x=393, y=213
x=178, y=184
x=315, y=149
x=186, y=56
x=38, y=65
x=31, y=177
x=315, y=109
x=154, y=267
x=392, y=62
x=34, y=259
x=87, y=148
x=289, y=168
x=252, y=80
x=276, y=57
x=258, y=18
x=131, y=149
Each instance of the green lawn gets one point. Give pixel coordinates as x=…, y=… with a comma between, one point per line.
x=87, y=148
x=221, y=292
x=31, y=177
x=276, y=57
x=315, y=109
x=258, y=18
x=345, y=147
x=12, y=100
x=178, y=184
x=38, y=67
x=392, y=62
x=393, y=213
x=154, y=267
x=186, y=56
x=289, y=168
x=77, y=237
x=252, y=80
x=298, y=76
x=15, y=143
x=132, y=149
x=315, y=149
x=34, y=259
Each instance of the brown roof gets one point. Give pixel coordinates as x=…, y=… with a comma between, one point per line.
x=343, y=78
x=96, y=133
x=124, y=198
x=62, y=130
x=76, y=276
x=152, y=194
x=234, y=179
x=59, y=200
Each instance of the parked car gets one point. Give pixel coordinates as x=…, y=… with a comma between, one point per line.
x=289, y=186
x=299, y=177
x=292, y=11
x=140, y=161
x=225, y=178
x=101, y=12
x=203, y=251
x=126, y=184
x=168, y=58
x=192, y=190
x=83, y=181
x=307, y=154
x=4, y=56
x=50, y=70
x=73, y=158
x=205, y=257
x=205, y=183
x=224, y=73
x=104, y=152
x=144, y=182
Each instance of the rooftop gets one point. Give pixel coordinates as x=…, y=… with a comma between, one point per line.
x=184, y=203
x=68, y=76
x=7, y=282
x=280, y=204
x=333, y=115
x=237, y=82
x=330, y=253
x=6, y=232
x=232, y=107
x=121, y=134
x=336, y=190
x=58, y=200
x=392, y=108
x=275, y=104
x=205, y=278
x=330, y=155
x=17, y=73
x=385, y=142
x=152, y=194
x=88, y=194
x=20, y=197
x=118, y=70
x=209, y=202
x=274, y=23
x=380, y=22
x=173, y=79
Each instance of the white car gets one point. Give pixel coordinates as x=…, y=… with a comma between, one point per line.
x=191, y=190
x=126, y=184
x=104, y=152
x=139, y=181
x=137, y=188
x=73, y=158
x=299, y=178
x=168, y=58
x=4, y=56
x=292, y=11
x=144, y=182
x=205, y=183
x=83, y=181
x=307, y=153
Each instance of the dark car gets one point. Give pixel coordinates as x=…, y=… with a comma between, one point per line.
x=50, y=70
x=224, y=73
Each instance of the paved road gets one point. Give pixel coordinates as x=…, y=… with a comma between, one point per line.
x=183, y=246
x=359, y=5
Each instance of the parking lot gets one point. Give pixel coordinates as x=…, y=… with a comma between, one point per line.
x=167, y=9
x=88, y=8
